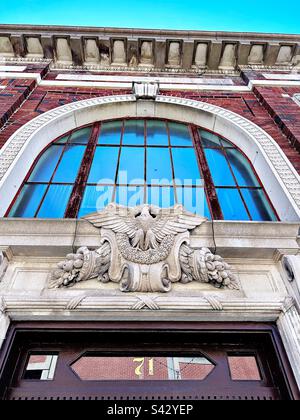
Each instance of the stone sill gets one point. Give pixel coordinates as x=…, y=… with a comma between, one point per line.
x=56, y=237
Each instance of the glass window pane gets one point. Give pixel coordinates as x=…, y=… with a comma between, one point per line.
x=138, y=368
x=186, y=167
x=63, y=140
x=55, y=202
x=134, y=133
x=159, y=168
x=69, y=165
x=244, y=368
x=41, y=367
x=258, y=205
x=28, y=201
x=81, y=136
x=232, y=204
x=132, y=164
x=242, y=169
x=130, y=196
x=180, y=135
x=209, y=139
x=45, y=166
x=95, y=199
x=194, y=200
x=157, y=134
x=110, y=133
x=104, y=165
x=161, y=196
x=219, y=168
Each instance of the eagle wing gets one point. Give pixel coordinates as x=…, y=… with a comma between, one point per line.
x=173, y=221
x=117, y=218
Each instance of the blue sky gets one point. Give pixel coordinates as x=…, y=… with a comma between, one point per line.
x=232, y=15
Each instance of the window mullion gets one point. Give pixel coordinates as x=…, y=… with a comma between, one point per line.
x=82, y=177
x=208, y=181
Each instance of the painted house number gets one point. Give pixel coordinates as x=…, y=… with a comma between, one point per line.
x=139, y=371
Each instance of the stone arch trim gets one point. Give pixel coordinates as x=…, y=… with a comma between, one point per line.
x=127, y=105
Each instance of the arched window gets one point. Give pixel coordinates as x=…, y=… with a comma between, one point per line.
x=137, y=161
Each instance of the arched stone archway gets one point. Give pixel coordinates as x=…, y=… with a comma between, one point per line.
x=279, y=177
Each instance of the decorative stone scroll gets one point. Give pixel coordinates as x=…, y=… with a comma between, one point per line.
x=144, y=249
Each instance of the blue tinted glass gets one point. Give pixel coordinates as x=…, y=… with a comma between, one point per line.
x=219, y=168
x=45, y=166
x=159, y=169
x=157, y=134
x=95, y=199
x=63, y=140
x=81, y=136
x=231, y=204
x=161, y=196
x=28, y=201
x=242, y=169
x=69, y=165
x=110, y=133
x=209, y=139
x=55, y=202
x=180, y=135
x=104, y=165
x=258, y=205
x=134, y=133
x=132, y=164
x=130, y=196
x=186, y=167
x=194, y=200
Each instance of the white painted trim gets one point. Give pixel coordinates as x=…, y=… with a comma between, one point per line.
x=13, y=75
x=2, y=87
x=128, y=85
x=145, y=79
x=278, y=175
x=280, y=76
x=12, y=68
x=273, y=83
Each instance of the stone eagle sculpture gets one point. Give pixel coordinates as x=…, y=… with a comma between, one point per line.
x=144, y=249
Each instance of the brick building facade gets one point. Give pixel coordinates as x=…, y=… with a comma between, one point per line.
x=242, y=87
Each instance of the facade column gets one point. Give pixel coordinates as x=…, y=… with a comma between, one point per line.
x=289, y=327
x=4, y=321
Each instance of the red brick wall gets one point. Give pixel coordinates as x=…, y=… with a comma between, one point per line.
x=278, y=116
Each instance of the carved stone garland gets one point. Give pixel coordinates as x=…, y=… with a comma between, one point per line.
x=144, y=249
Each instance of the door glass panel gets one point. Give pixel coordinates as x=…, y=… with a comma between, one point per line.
x=41, y=367
x=55, y=202
x=134, y=133
x=94, y=368
x=104, y=165
x=159, y=169
x=44, y=169
x=28, y=201
x=244, y=368
x=110, y=133
x=219, y=168
x=69, y=165
x=157, y=134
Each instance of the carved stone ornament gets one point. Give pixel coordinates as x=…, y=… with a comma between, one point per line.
x=144, y=249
